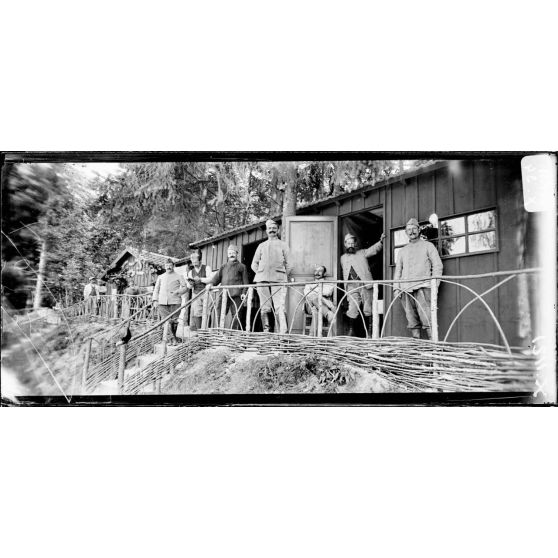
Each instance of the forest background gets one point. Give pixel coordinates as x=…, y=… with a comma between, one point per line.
x=65, y=222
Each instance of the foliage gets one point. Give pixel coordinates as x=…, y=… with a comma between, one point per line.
x=81, y=222
x=45, y=208
x=281, y=372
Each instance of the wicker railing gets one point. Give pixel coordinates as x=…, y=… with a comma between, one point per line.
x=111, y=307
x=247, y=314
x=113, y=363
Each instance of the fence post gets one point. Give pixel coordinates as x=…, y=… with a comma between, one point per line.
x=165, y=336
x=205, y=309
x=121, y=368
x=320, y=320
x=434, y=309
x=86, y=364
x=375, y=316
x=249, y=307
x=126, y=306
x=115, y=310
x=223, y=308
x=187, y=298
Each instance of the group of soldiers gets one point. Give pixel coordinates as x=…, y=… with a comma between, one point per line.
x=272, y=265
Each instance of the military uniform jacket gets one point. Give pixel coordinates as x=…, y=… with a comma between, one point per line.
x=272, y=261
x=359, y=263
x=165, y=284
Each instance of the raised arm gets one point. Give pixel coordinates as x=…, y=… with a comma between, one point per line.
x=375, y=248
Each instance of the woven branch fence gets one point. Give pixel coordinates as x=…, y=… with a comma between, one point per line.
x=406, y=364
x=107, y=368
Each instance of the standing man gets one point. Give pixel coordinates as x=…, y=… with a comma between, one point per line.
x=232, y=273
x=355, y=268
x=90, y=293
x=272, y=264
x=417, y=260
x=311, y=292
x=198, y=277
x=91, y=289
x=166, y=296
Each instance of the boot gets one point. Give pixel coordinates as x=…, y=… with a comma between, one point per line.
x=265, y=322
x=351, y=332
x=282, y=322
x=428, y=333
x=415, y=333
x=173, y=328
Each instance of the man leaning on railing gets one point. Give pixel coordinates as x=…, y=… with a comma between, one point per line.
x=418, y=259
x=232, y=272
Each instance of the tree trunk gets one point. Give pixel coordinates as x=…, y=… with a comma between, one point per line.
x=40, y=277
x=336, y=178
x=220, y=206
x=289, y=200
x=289, y=196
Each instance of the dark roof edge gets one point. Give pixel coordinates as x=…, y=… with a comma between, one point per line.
x=136, y=253
x=321, y=203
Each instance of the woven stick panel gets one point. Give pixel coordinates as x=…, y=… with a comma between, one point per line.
x=108, y=367
x=407, y=364
x=155, y=370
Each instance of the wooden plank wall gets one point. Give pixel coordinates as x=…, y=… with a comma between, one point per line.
x=459, y=188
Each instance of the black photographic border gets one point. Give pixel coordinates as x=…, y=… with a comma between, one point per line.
x=274, y=400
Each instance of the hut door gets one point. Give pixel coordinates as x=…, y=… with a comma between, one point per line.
x=312, y=241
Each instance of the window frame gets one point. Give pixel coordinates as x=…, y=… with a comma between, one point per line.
x=465, y=234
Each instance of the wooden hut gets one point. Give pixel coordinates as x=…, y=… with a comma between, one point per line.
x=482, y=228
x=138, y=268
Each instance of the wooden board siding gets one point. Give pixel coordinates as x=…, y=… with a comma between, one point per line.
x=345, y=207
x=484, y=191
x=395, y=213
x=463, y=187
x=426, y=185
x=475, y=324
x=358, y=203
x=443, y=194
x=411, y=199
x=459, y=188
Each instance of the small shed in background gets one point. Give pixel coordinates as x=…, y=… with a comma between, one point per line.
x=138, y=268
